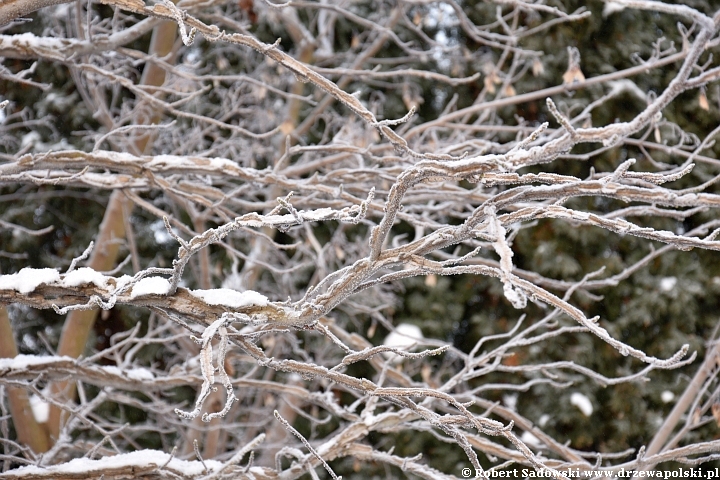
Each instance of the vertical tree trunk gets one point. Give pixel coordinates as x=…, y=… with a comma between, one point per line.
x=79, y=323
x=29, y=431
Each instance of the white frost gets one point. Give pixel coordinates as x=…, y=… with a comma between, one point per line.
x=626, y=85
x=32, y=41
x=27, y=279
x=222, y=164
x=83, y=276
x=150, y=286
x=138, y=373
x=160, y=232
x=530, y=439
x=318, y=214
x=209, y=164
x=40, y=408
x=612, y=7
x=582, y=402
x=61, y=11
x=440, y=15
x=231, y=298
x=34, y=140
x=667, y=283
x=517, y=300
x=405, y=335
x=23, y=361
x=496, y=229
x=581, y=215
x=544, y=419
x=122, y=281
x=234, y=281
x=165, y=161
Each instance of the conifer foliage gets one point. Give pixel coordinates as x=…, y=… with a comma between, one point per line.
x=250, y=239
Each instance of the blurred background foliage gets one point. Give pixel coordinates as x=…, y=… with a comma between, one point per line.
x=672, y=301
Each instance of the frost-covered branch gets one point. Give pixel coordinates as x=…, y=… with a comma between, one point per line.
x=351, y=231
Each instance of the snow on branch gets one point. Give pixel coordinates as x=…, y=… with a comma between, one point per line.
x=135, y=464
